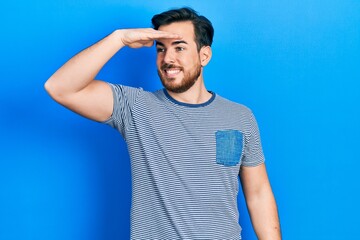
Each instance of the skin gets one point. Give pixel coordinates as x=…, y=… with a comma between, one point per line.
x=178, y=62
x=260, y=202
x=183, y=56
x=74, y=85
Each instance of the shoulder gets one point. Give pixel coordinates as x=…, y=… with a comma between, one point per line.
x=137, y=95
x=120, y=90
x=227, y=105
x=123, y=88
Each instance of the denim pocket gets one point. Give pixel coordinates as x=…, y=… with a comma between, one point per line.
x=229, y=145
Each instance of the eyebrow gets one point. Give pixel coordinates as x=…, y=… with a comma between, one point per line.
x=173, y=43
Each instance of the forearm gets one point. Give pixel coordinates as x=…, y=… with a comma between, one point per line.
x=80, y=70
x=264, y=215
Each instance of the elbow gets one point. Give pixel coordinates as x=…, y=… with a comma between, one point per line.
x=47, y=86
x=52, y=89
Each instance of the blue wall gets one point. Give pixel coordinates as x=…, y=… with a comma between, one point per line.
x=296, y=64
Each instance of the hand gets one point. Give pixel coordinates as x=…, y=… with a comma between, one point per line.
x=143, y=37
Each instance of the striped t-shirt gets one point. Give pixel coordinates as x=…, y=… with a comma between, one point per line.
x=185, y=161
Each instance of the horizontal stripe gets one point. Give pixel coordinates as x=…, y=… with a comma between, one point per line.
x=179, y=189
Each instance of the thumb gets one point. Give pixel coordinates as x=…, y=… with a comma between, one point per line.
x=149, y=43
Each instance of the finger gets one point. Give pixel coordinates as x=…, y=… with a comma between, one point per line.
x=149, y=44
x=156, y=34
x=161, y=34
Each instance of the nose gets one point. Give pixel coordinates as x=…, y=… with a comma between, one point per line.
x=169, y=57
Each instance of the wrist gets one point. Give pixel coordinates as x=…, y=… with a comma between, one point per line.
x=118, y=34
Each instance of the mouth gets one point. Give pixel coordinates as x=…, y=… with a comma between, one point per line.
x=171, y=71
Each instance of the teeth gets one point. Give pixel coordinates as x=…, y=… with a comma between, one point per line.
x=173, y=71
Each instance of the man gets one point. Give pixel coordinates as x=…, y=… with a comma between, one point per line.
x=187, y=145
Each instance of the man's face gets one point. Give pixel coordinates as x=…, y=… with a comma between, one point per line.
x=178, y=61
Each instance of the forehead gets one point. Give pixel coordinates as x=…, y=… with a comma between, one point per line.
x=184, y=29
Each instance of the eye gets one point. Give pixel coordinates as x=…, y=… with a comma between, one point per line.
x=160, y=50
x=179, y=49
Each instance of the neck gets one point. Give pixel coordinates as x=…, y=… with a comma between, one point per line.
x=197, y=94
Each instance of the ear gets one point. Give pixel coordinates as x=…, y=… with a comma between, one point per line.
x=205, y=55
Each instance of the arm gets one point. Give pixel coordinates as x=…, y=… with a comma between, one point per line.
x=73, y=84
x=260, y=202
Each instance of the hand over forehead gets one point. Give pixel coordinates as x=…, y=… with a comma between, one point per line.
x=157, y=34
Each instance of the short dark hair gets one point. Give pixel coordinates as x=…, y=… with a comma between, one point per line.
x=203, y=29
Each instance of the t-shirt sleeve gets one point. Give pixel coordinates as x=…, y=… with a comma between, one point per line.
x=124, y=101
x=253, y=153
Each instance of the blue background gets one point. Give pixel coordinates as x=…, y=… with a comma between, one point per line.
x=296, y=64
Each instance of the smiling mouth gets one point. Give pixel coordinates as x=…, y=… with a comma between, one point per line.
x=171, y=72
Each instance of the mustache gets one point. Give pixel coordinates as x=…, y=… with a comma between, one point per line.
x=166, y=66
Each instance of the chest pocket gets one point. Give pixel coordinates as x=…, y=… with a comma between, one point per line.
x=229, y=146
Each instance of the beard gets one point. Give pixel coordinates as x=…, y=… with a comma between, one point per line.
x=186, y=83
